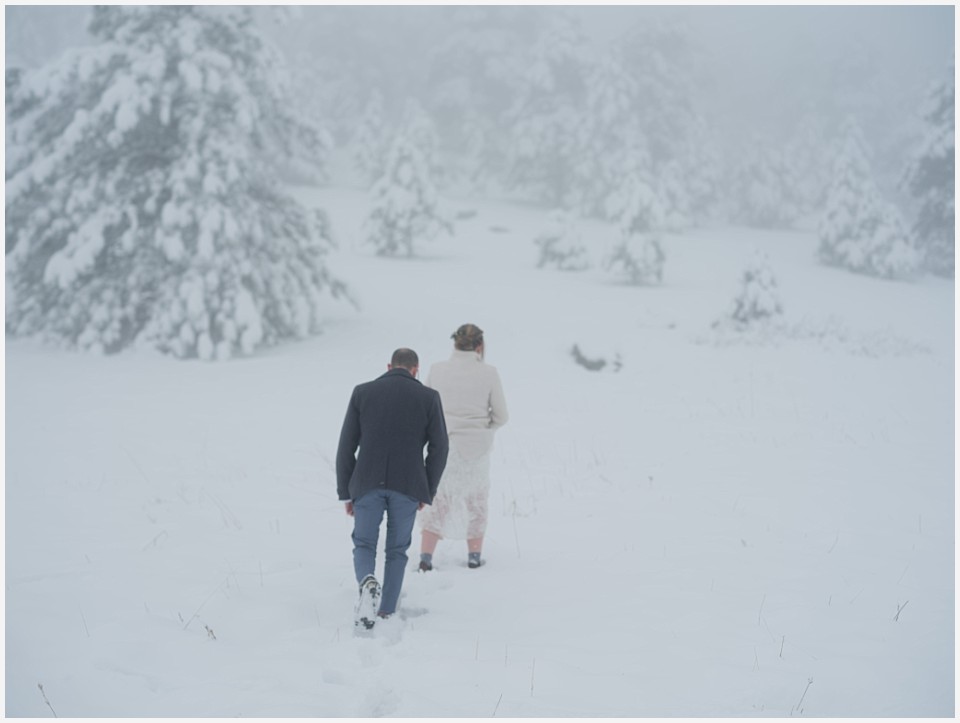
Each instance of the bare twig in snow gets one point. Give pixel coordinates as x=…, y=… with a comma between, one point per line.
x=896, y=618
x=40, y=686
x=156, y=538
x=136, y=464
x=206, y=600
x=84, y=619
x=800, y=702
x=497, y=706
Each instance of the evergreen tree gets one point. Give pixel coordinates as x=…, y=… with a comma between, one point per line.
x=859, y=230
x=765, y=189
x=638, y=255
x=561, y=244
x=807, y=154
x=370, y=140
x=699, y=171
x=142, y=198
x=610, y=149
x=930, y=180
x=420, y=129
x=405, y=207
x=339, y=52
x=674, y=194
x=474, y=72
x=545, y=119
x=658, y=58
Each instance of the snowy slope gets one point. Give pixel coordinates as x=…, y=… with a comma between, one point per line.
x=701, y=533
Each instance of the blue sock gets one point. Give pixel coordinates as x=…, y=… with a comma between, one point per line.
x=473, y=556
x=426, y=557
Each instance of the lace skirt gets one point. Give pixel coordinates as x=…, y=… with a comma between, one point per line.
x=459, y=510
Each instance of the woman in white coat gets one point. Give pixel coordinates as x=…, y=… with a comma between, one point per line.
x=473, y=408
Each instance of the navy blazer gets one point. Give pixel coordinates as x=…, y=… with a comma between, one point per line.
x=391, y=419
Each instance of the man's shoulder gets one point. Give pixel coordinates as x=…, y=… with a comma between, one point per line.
x=364, y=386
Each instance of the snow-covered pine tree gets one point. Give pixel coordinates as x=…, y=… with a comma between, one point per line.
x=637, y=193
x=930, y=180
x=609, y=148
x=420, y=129
x=638, y=255
x=473, y=77
x=699, y=167
x=142, y=202
x=658, y=57
x=673, y=191
x=859, y=230
x=544, y=122
x=765, y=189
x=807, y=155
x=369, y=142
x=561, y=244
x=406, y=209
x=758, y=300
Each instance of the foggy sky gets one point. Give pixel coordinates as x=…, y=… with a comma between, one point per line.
x=767, y=61
x=766, y=64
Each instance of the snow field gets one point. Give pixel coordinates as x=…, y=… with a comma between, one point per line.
x=698, y=534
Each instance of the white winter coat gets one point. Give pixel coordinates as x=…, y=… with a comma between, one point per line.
x=473, y=402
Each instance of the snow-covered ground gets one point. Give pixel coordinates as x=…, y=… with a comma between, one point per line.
x=726, y=526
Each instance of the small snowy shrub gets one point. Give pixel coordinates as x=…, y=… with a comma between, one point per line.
x=639, y=259
x=405, y=207
x=561, y=245
x=758, y=301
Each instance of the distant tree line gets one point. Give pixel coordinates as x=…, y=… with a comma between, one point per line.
x=145, y=171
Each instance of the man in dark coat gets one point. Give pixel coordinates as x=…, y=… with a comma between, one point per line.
x=390, y=419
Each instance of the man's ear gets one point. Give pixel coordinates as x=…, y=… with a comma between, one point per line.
x=389, y=367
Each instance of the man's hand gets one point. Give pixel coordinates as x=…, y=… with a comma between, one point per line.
x=420, y=506
x=349, y=506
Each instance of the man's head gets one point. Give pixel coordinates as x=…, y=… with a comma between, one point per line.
x=405, y=359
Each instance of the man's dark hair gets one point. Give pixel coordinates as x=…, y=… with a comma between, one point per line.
x=406, y=358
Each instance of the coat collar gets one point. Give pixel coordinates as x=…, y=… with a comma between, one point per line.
x=399, y=372
x=465, y=356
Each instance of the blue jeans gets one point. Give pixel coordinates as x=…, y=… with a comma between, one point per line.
x=368, y=512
